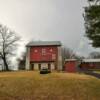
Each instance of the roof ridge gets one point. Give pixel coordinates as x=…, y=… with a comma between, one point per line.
x=43, y=43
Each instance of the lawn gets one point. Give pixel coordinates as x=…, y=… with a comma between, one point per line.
x=30, y=85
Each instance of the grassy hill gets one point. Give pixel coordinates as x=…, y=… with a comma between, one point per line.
x=30, y=85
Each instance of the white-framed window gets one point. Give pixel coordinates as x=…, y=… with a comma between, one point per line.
x=51, y=50
x=35, y=50
x=43, y=51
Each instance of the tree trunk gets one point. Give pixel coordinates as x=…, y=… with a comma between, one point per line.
x=6, y=68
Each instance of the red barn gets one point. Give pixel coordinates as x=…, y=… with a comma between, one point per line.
x=44, y=54
x=90, y=64
x=70, y=65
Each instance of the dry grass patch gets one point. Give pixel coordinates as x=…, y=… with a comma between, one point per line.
x=30, y=85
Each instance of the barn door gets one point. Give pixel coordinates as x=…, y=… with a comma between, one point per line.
x=36, y=66
x=49, y=66
x=32, y=67
x=44, y=65
x=52, y=66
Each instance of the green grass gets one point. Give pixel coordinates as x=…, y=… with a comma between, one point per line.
x=30, y=85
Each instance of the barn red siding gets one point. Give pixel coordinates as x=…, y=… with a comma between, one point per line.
x=43, y=53
x=70, y=66
x=90, y=65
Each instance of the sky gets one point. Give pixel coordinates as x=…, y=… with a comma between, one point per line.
x=57, y=20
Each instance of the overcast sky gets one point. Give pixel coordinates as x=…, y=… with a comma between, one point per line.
x=47, y=20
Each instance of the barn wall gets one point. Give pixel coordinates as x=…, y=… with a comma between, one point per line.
x=90, y=65
x=37, y=55
x=49, y=53
x=70, y=66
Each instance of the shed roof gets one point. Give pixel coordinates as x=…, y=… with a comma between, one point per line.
x=44, y=43
x=91, y=60
x=70, y=59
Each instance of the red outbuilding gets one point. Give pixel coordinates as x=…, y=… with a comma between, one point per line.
x=70, y=65
x=44, y=54
x=90, y=64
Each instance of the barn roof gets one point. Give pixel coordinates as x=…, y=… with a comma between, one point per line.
x=91, y=60
x=44, y=43
x=70, y=59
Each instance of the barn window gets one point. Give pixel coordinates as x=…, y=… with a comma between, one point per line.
x=43, y=51
x=51, y=50
x=35, y=50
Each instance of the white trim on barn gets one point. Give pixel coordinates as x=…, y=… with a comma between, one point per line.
x=59, y=58
x=28, y=59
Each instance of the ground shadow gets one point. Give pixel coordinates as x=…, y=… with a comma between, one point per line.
x=92, y=73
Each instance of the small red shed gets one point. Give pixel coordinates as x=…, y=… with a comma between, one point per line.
x=70, y=65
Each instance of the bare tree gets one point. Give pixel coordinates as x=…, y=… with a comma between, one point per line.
x=94, y=55
x=68, y=53
x=8, y=44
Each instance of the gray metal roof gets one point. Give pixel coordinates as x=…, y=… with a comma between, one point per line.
x=91, y=60
x=44, y=43
x=70, y=59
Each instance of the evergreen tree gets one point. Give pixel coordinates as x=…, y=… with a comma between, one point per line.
x=92, y=22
